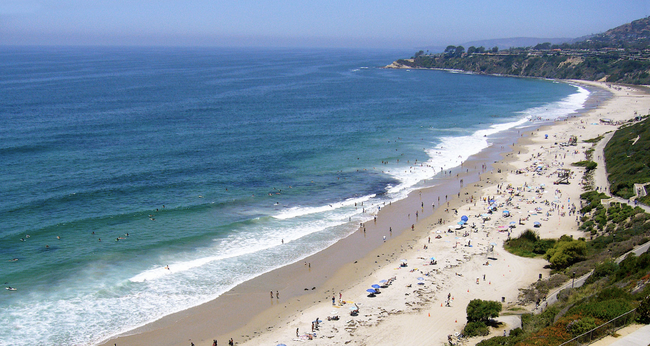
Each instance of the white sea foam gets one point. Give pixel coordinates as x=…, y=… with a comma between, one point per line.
x=453, y=150
x=293, y=212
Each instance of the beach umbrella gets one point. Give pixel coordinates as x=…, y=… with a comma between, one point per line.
x=281, y=345
x=375, y=286
x=461, y=223
x=403, y=260
x=433, y=258
x=353, y=308
x=382, y=281
x=421, y=278
x=512, y=222
x=371, y=290
x=464, y=218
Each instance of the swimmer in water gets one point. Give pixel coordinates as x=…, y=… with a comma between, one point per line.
x=167, y=267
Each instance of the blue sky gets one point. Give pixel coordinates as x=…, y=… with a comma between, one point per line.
x=306, y=23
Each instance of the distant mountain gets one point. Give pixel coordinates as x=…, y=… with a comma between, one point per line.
x=631, y=35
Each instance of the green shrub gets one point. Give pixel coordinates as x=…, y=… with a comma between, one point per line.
x=643, y=311
x=581, y=326
x=566, y=253
x=482, y=310
x=604, y=310
x=602, y=270
x=476, y=328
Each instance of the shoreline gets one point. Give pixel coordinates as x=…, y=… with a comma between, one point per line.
x=246, y=311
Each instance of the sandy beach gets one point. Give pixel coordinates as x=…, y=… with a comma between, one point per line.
x=427, y=270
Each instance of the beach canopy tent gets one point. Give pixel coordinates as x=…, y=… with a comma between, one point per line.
x=464, y=218
x=537, y=224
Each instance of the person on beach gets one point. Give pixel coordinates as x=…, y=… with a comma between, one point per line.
x=333, y=300
x=214, y=342
x=277, y=294
x=231, y=342
x=271, y=294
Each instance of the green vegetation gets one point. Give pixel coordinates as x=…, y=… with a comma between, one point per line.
x=478, y=328
x=479, y=313
x=610, y=291
x=566, y=252
x=594, y=140
x=482, y=310
x=589, y=165
x=529, y=244
x=628, y=159
x=618, y=55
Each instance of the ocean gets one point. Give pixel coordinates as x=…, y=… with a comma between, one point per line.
x=219, y=164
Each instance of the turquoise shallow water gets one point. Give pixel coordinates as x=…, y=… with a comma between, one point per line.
x=208, y=159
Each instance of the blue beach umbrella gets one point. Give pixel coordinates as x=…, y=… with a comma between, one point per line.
x=375, y=286
x=464, y=218
x=382, y=281
x=371, y=290
x=421, y=278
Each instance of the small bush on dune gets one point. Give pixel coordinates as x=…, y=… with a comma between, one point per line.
x=477, y=328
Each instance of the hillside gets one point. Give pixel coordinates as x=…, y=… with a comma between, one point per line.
x=619, y=55
x=628, y=159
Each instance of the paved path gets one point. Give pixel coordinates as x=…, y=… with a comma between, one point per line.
x=639, y=338
x=600, y=174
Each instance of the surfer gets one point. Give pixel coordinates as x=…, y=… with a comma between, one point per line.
x=13, y=260
x=9, y=288
x=167, y=267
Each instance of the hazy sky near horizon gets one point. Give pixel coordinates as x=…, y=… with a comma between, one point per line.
x=305, y=23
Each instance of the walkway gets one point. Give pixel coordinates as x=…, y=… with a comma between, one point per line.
x=639, y=338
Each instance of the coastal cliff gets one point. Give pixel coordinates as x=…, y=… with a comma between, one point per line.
x=619, y=55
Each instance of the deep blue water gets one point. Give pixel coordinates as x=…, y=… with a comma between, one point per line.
x=208, y=158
